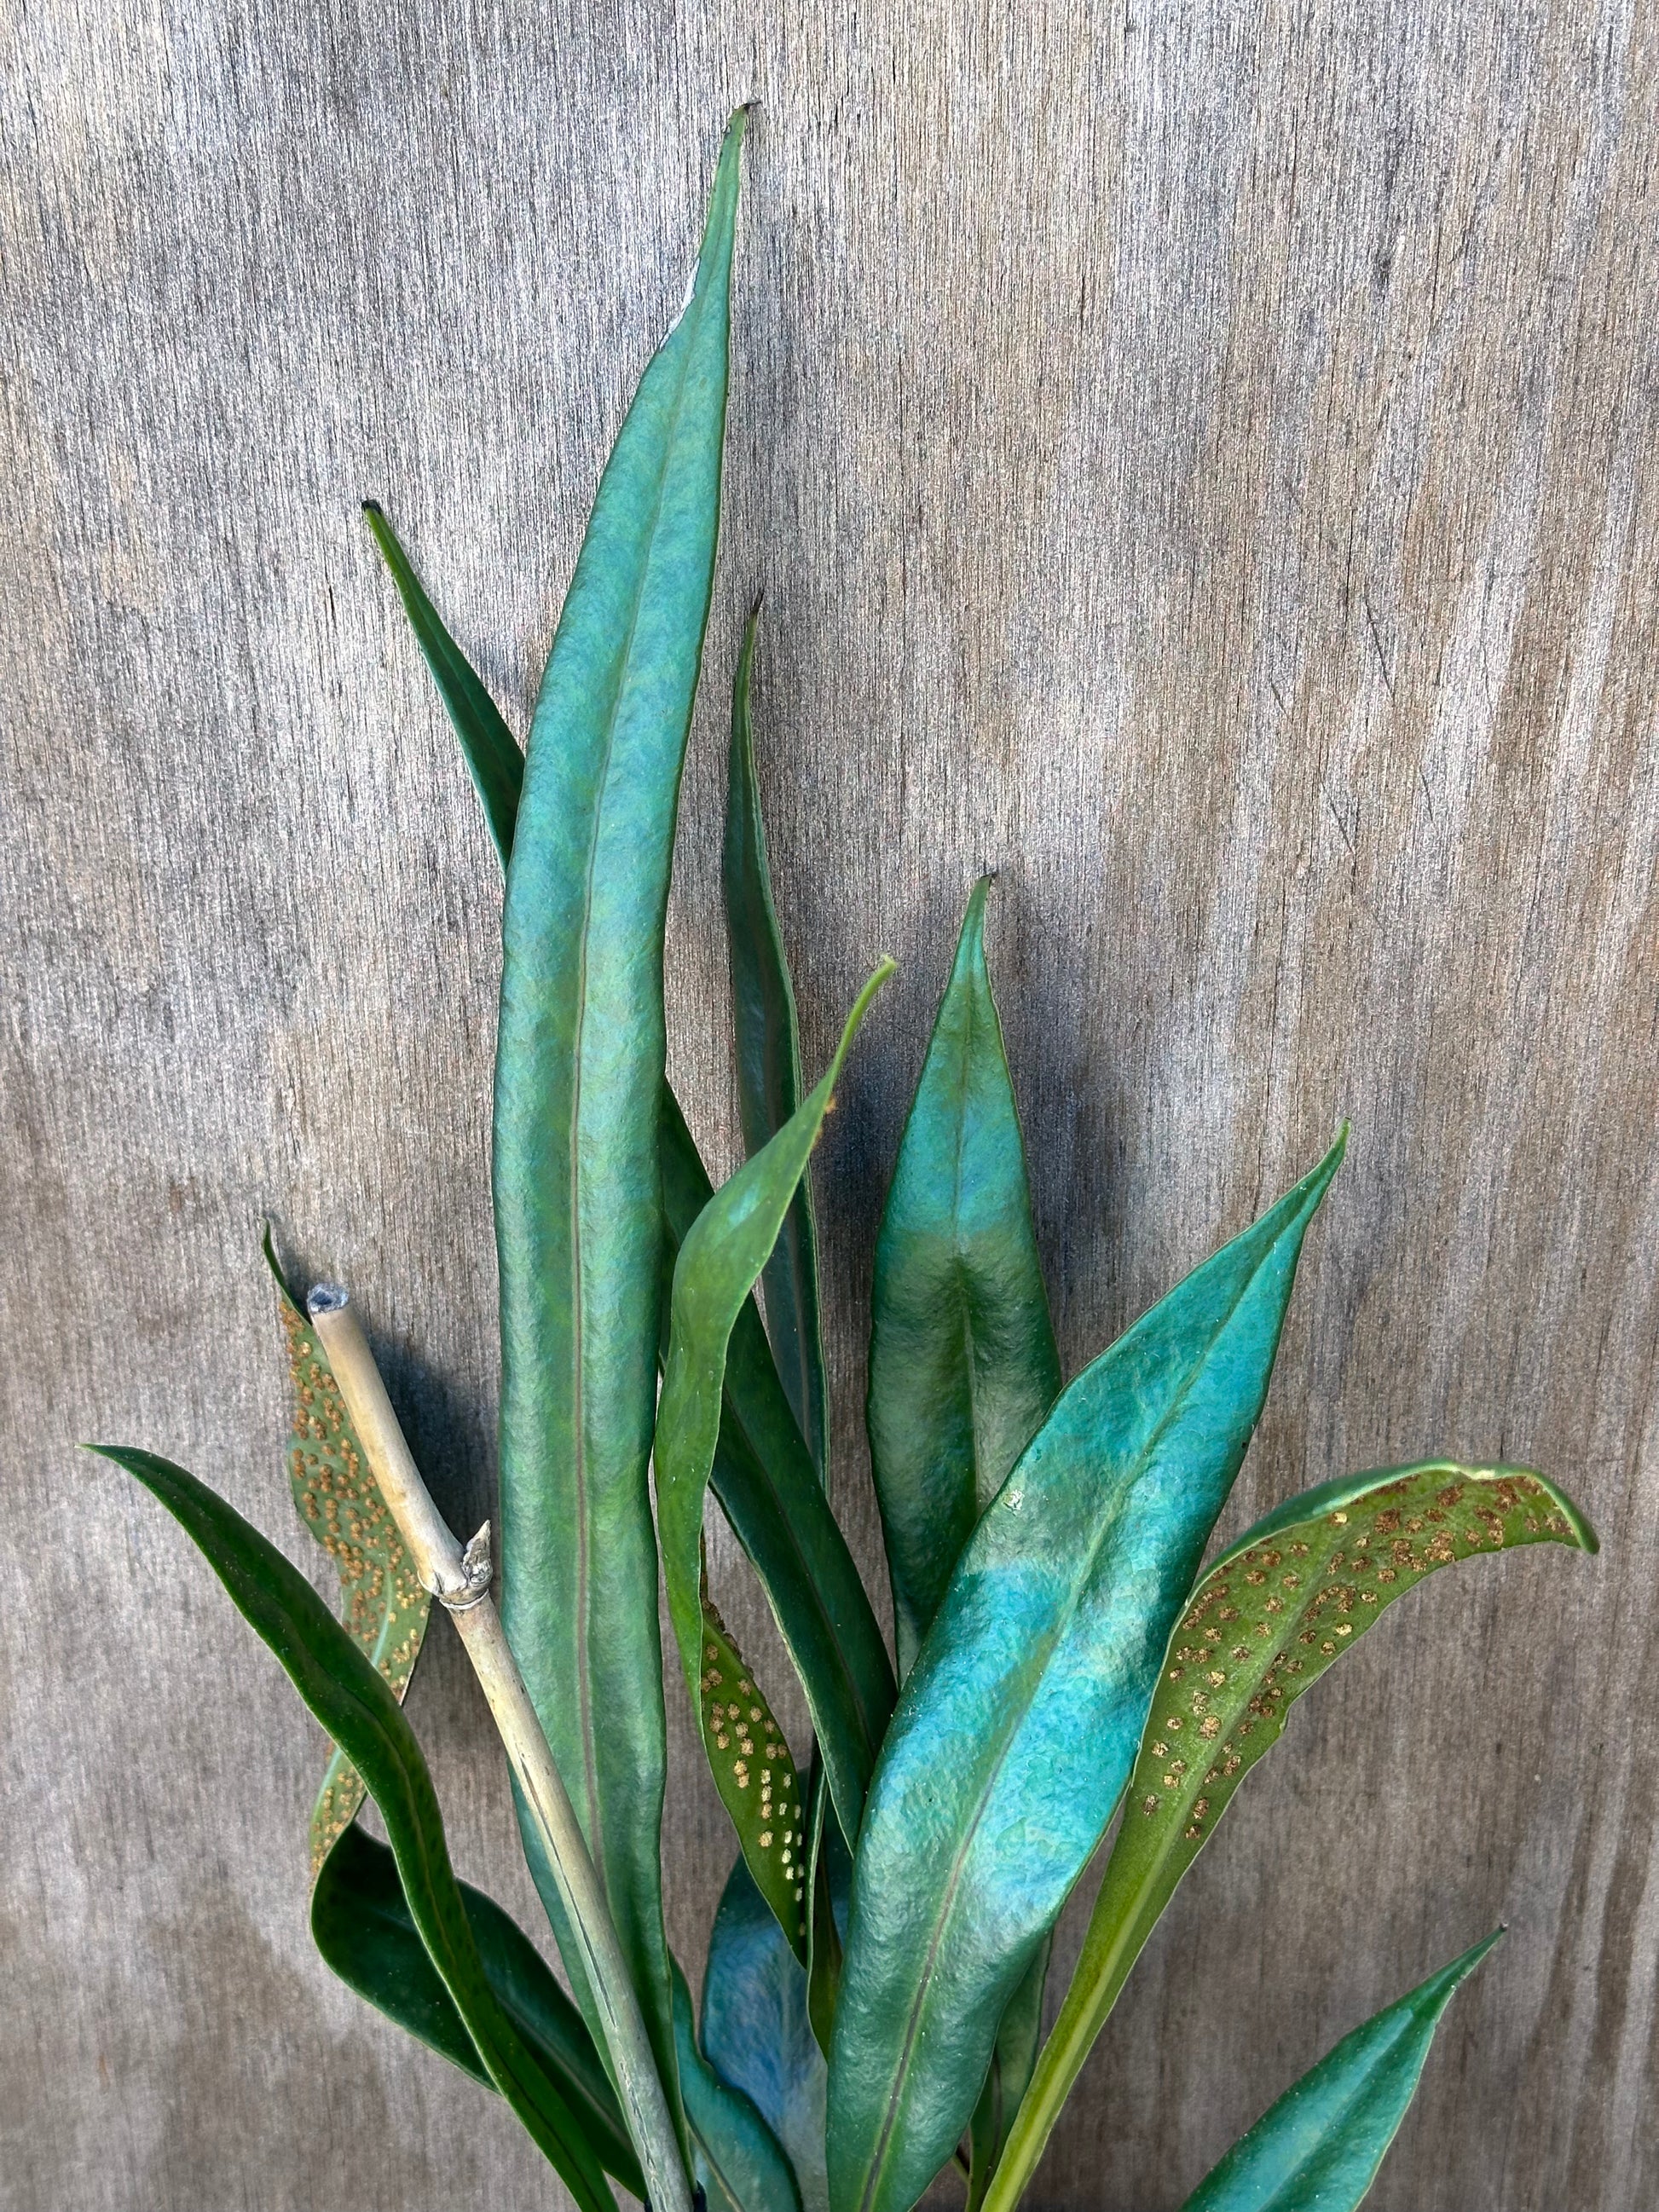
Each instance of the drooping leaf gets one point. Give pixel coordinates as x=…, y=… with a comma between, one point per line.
x=1278, y=1608
x=349, y=1698
x=1321, y=2145
x=719, y=1260
x=828, y=1896
x=739, y=2163
x=491, y=749
x=756, y=2030
x=362, y=1925
x=1013, y=2059
x=768, y=1067
x=767, y=1486
x=963, y=1363
x=579, y=1077
x=384, y=1606
x=1015, y=1730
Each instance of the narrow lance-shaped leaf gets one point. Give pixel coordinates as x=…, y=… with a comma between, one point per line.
x=740, y=2165
x=1016, y=1728
x=720, y=1261
x=349, y=1698
x=763, y=1475
x=768, y=1492
x=962, y=1368
x=491, y=749
x=963, y=1363
x=579, y=1077
x=769, y=1066
x=1278, y=1608
x=1321, y=2145
x=340, y=1502
x=362, y=1926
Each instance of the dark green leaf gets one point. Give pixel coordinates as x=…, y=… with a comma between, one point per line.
x=1017, y=1729
x=963, y=1364
x=767, y=1490
x=738, y=2161
x=338, y=1499
x=579, y=1075
x=1014, y=2058
x=363, y=1927
x=492, y=750
x=347, y=1697
x=722, y=1255
x=768, y=1067
x=1321, y=2145
x=1295, y=1593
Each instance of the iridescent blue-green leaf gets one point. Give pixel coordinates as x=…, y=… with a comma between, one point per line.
x=579, y=1077
x=364, y=1929
x=720, y=1261
x=756, y=2031
x=963, y=1363
x=1015, y=1730
x=346, y=1696
x=1321, y=2145
x=769, y=1066
x=768, y=1489
x=1276, y=1609
x=491, y=749
x=737, y=2159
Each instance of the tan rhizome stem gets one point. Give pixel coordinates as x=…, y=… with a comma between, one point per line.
x=460, y=1581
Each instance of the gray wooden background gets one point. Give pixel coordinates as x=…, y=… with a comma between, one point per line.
x=1201, y=462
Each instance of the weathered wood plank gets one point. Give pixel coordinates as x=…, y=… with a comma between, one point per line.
x=1202, y=461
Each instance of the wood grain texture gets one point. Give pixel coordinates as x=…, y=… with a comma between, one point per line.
x=1202, y=462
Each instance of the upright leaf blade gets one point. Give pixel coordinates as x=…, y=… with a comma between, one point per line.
x=769, y=1066
x=721, y=1257
x=1264, y=1622
x=963, y=1363
x=491, y=749
x=347, y=1697
x=1322, y=2142
x=579, y=1075
x=768, y=1489
x=1015, y=1730
x=362, y=1926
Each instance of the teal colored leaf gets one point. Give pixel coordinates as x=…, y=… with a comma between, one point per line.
x=383, y=1604
x=1017, y=1729
x=579, y=1075
x=738, y=2162
x=764, y=1476
x=768, y=1067
x=756, y=2030
x=491, y=749
x=720, y=1261
x=963, y=1364
x=1264, y=1622
x=347, y=1697
x=768, y=1489
x=365, y=1931
x=1321, y=2145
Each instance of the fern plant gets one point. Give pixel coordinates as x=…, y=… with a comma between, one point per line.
x=872, y=2009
